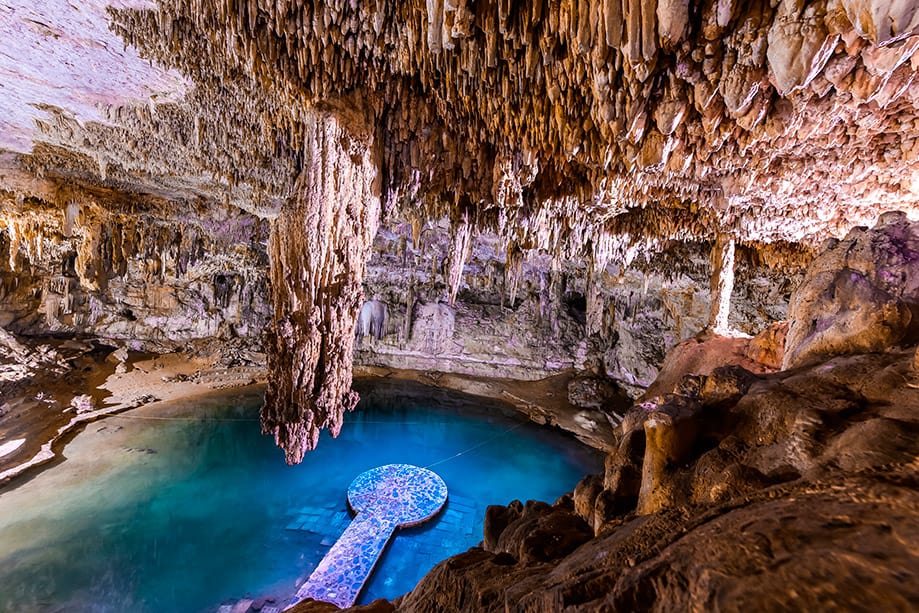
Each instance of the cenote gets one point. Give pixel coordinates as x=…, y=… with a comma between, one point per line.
x=187, y=507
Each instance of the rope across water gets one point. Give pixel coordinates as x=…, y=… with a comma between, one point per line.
x=377, y=422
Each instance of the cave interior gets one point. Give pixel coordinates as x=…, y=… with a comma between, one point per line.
x=686, y=232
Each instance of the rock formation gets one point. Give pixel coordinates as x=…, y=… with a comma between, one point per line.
x=752, y=492
x=860, y=295
x=319, y=246
x=146, y=272
x=642, y=310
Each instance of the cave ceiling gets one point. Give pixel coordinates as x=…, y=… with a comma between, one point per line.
x=552, y=123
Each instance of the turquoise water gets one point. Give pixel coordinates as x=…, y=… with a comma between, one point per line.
x=186, y=508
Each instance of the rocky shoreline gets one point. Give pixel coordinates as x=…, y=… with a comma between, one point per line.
x=721, y=496
x=48, y=407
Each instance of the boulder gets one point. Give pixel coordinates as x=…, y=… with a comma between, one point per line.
x=700, y=356
x=497, y=518
x=768, y=347
x=860, y=295
x=119, y=356
x=725, y=384
x=594, y=393
x=543, y=533
x=671, y=429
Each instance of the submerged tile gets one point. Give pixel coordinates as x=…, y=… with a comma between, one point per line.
x=385, y=499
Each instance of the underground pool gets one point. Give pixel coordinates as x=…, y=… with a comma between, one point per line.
x=187, y=507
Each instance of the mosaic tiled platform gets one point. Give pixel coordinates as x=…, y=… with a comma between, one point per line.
x=385, y=498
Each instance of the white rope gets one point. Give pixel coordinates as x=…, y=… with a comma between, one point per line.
x=249, y=419
x=474, y=447
x=394, y=423
x=161, y=418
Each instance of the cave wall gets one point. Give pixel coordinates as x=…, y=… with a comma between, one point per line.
x=148, y=273
x=153, y=275
x=642, y=310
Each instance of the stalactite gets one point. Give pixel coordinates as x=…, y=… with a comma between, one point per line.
x=513, y=272
x=722, y=283
x=459, y=253
x=618, y=106
x=318, y=250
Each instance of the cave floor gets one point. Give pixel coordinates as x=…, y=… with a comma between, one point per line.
x=40, y=412
x=38, y=407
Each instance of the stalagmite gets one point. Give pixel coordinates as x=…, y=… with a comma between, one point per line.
x=318, y=249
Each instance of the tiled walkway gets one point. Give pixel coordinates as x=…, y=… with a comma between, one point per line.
x=385, y=498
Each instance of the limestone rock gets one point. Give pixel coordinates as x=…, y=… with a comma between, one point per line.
x=497, y=518
x=859, y=295
x=152, y=281
x=797, y=53
x=119, y=356
x=768, y=347
x=542, y=533
x=671, y=428
x=585, y=496
x=700, y=356
x=612, y=132
x=883, y=21
x=82, y=404
x=820, y=453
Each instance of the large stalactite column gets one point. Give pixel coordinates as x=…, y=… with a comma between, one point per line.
x=722, y=283
x=319, y=246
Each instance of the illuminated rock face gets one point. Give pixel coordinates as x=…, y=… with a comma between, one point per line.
x=860, y=295
x=66, y=57
x=638, y=313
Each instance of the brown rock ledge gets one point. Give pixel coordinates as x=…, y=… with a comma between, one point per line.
x=797, y=491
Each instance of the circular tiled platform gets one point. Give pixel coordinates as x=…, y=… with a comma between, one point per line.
x=404, y=494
